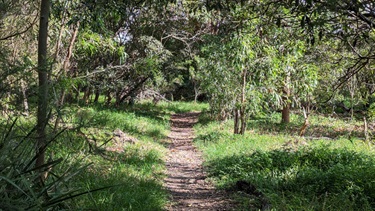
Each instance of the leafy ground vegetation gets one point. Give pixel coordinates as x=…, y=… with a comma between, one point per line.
x=90, y=167
x=270, y=167
x=68, y=70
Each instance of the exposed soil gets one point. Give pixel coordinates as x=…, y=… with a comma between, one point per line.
x=186, y=177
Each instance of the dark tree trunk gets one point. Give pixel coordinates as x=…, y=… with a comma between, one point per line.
x=236, y=121
x=43, y=88
x=78, y=91
x=109, y=97
x=97, y=94
x=132, y=91
x=86, y=95
x=118, y=97
x=285, y=114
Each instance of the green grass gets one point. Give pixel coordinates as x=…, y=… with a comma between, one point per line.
x=320, y=126
x=132, y=176
x=278, y=172
x=138, y=172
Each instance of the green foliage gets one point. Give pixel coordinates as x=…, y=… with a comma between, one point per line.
x=221, y=69
x=322, y=176
x=331, y=175
x=94, y=50
x=135, y=172
x=85, y=173
x=19, y=186
x=371, y=109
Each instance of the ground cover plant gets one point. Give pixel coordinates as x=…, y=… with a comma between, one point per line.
x=272, y=168
x=73, y=72
x=90, y=168
x=136, y=170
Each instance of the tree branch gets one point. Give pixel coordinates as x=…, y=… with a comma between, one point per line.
x=21, y=32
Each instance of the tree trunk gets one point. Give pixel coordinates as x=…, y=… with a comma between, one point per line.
x=43, y=88
x=97, y=94
x=196, y=91
x=118, y=94
x=25, y=102
x=236, y=121
x=78, y=91
x=285, y=114
x=243, y=121
x=302, y=131
x=133, y=91
x=86, y=95
x=243, y=103
x=66, y=64
x=109, y=98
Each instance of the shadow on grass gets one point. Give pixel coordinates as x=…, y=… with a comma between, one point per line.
x=315, y=129
x=148, y=110
x=307, y=179
x=99, y=119
x=136, y=177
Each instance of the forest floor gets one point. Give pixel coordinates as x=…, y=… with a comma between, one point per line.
x=186, y=179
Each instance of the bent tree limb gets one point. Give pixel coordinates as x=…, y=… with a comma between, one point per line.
x=133, y=89
x=66, y=65
x=20, y=32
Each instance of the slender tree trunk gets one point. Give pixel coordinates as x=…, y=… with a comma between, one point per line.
x=5, y=105
x=243, y=103
x=97, y=94
x=196, y=91
x=285, y=114
x=78, y=91
x=109, y=98
x=25, y=102
x=236, y=121
x=302, y=131
x=86, y=95
x=66, y=64
x=367, y=137
x=352, y=92
x=43, y=88
x=118, y=97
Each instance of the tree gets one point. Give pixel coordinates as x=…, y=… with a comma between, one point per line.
x=43, y=71
x=350, y=22
x=235, y=76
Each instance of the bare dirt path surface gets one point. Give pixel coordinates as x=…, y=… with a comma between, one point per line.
x=186, y=178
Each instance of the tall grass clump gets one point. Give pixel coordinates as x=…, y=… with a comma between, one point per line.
x=20, y=188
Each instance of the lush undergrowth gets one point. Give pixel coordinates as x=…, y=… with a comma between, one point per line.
x=137, y=172
x=271, y=168
x=97, y=170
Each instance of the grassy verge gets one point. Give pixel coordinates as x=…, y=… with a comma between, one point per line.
x=110, y=173
x=135, y=170
x=270, y=168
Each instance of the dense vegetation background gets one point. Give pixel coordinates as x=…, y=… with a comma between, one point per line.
x=87, y=88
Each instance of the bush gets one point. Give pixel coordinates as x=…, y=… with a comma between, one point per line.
x=19, y=186
x=337, y=178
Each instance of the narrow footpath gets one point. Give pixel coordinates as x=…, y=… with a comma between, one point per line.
x=186, y=178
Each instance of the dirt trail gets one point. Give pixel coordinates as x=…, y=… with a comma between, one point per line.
x=186, y=177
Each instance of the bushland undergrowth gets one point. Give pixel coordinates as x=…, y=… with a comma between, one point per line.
x=272, y=168
x=89, y=168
